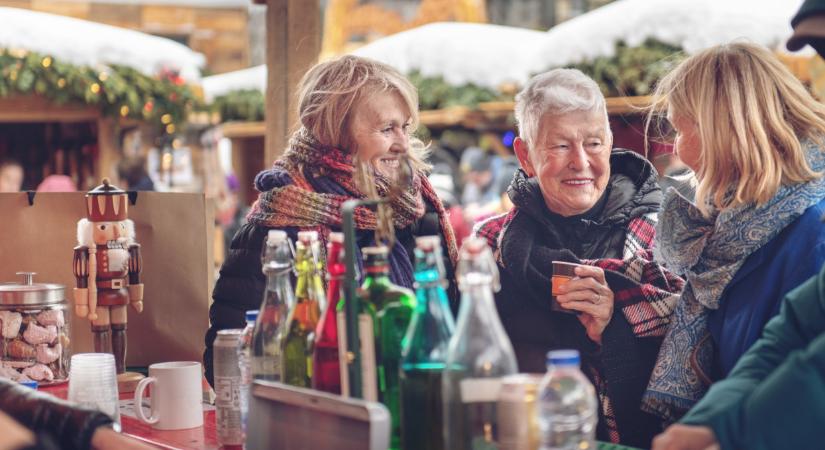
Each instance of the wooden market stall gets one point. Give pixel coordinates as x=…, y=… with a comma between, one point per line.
x=71, y=89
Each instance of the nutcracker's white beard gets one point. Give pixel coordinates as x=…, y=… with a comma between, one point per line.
x=118, y=257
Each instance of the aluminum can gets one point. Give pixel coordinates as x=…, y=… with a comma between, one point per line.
x=517, y=420
x=227, y=387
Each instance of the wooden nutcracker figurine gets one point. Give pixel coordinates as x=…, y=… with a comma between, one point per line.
x=107, y=266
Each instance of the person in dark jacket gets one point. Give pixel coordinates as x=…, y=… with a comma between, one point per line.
x=356, y=118
x=576, y=200
x=54, y=423
x=752, y=233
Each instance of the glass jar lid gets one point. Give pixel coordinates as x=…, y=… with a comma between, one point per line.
x=30, y=293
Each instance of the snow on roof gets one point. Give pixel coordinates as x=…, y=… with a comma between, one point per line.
x=85, y=43
x=486, y=55
x=217, y=85
x=690, y=24
x=489, y=55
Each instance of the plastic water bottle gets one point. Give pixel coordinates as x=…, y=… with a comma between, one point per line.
x=244, y=357
x=567, y=404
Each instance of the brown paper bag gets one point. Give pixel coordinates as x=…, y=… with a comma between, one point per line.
x=175, y=232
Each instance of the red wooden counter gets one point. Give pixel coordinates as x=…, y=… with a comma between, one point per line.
x=204, y=437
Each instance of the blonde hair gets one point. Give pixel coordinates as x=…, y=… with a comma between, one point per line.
x=329, y=92
x=751, y=115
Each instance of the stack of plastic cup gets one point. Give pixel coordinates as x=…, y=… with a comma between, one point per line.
x=93, y=383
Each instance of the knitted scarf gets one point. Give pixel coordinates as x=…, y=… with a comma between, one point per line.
x=709, y=252
x=297, y=202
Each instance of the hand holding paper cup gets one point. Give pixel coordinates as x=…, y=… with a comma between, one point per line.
x=562, y=273
x=585, y=292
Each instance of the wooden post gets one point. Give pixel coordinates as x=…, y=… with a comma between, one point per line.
x=293, y=41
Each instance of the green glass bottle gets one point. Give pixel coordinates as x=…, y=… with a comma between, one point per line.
x=303, y=316
x=425, y=351
x=384, y=314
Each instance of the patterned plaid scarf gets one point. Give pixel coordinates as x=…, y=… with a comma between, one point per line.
x=709, y=251
x=298, y=204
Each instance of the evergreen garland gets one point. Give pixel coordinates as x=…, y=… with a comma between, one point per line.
x=241, y=105
x=631, y=71
x=118, y=91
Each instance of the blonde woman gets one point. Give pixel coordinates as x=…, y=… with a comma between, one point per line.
x=353, y=112
x=754, y=138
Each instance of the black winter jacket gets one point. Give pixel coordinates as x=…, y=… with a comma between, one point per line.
x=523, y=302
x=240, y=286
x=50, y=418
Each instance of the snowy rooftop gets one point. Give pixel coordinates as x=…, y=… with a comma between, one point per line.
x=486, y=55
x=217, y=85
x=489, y=55
x=85, y=43
x=690, y=24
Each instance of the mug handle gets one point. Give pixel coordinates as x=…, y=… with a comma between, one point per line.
x=141, y=387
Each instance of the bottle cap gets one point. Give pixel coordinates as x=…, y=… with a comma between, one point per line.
x=307, y=236
x=428, y=242
x=252, y=315
x=275, y=237
x=563, y=358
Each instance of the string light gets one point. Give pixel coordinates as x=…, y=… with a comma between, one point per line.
x=103, y=76
x=166, y=119
x=47, y=62
x=124, y=111
x=95, y=88
x=61, y=83
x=170, y=128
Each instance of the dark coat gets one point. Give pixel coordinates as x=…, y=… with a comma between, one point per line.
x=240, y=285
x=52, y=420
x=624, y=360
x=775, y=396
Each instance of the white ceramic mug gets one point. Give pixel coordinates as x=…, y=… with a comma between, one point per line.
x=176, y=396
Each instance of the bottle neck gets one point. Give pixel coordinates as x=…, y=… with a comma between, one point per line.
x=478, y=305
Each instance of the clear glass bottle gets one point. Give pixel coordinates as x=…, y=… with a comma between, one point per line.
x=245, y=363
x=326, y=375
x=267, y=360
x=303, y=317
x=425, y=351
x=567, y=404
x=479, y=354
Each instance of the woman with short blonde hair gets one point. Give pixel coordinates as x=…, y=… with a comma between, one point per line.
x=356, y=119
x=753, y=136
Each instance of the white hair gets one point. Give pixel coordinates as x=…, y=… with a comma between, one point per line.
x=556, y=92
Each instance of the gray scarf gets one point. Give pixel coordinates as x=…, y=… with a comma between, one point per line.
x=709, y=252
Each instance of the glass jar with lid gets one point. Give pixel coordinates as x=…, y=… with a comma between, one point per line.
x=34, y=326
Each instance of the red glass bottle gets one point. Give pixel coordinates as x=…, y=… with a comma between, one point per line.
x=327, y=374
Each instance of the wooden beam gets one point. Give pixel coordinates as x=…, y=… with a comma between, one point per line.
x=34, y=108
x=234, y=130
x=293, y=41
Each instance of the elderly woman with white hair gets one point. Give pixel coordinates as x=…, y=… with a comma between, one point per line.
x=578, y=200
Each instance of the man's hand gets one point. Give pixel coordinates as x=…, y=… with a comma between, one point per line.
x=108, y=439
x=686, y=437
x=589, y=294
